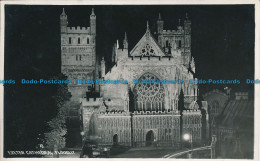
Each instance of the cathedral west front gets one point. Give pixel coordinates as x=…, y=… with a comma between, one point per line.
x=131, y=113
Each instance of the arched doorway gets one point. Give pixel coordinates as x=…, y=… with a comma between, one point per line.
x=115, y=139
x=149, y=138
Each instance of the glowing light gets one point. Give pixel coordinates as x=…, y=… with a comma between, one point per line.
x=186, y=137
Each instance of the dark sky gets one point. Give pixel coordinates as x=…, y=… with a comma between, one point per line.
x=222, y=44
x=222, y=36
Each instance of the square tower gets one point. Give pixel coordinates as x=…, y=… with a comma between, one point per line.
x=78, y=54
x=176, y=42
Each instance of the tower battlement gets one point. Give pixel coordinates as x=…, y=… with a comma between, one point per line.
x=78, y=29
x=91, y=101
x=173, y=32
x=191, y=112
x=156, y=113
x=155, y=59
x=115, y=113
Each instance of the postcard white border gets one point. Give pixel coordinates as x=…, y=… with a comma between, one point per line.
x=134, y=2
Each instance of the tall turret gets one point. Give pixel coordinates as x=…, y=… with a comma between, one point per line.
x=187, y=40
x=63, y=22
x=179, y=27
x=93, y=22
x=93, y=33
x=160, y=30
x=125, y=42
x=186, y=54
x=103, y=68
x=192, y=64
x=187, y=32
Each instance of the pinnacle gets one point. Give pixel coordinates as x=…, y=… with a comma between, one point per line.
x=93, y=13
x=125, y=36
x=63, y=12
x=147, y=27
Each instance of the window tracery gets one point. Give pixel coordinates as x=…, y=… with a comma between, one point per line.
x=215, y=107
x=149, y=96
x=147, y=50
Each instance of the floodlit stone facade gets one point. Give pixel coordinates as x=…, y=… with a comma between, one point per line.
x=135, y=114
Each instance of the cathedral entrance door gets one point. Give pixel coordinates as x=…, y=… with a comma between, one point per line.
x=149, y=138
x=115, y=139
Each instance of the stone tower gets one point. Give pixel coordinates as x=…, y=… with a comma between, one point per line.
x=160, y=29
x=187, y=41
x=78, y=54
x=176, y=43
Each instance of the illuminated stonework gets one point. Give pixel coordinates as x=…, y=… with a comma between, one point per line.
x=147, y=50
x=135, y=114
x=149, y=96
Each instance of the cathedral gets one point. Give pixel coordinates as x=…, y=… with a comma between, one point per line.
x=135, y=114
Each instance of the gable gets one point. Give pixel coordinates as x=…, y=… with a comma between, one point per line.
x=147, y=46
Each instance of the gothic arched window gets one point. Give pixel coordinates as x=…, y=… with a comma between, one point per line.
x=215, y=107
x=78, y=40
x=167, y=43
x=69, y=40
x=147, y=50
x=149, y=96
x=179, y=43
x=87, y=40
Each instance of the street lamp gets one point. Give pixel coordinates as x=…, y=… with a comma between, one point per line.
x=188, y=137
x=82, y=133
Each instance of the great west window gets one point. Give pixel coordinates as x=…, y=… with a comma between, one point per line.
x=148, y=96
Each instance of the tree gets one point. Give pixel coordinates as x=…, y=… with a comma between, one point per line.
x=58, y=130
x=55, y=138
x=73, y=124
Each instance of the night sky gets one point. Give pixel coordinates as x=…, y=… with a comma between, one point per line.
x=222, y=45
